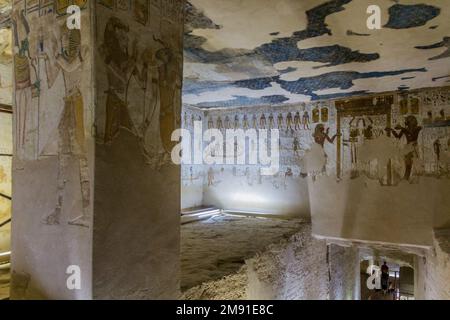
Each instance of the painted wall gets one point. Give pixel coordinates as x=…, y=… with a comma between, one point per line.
x=64, y=214
x=5, y=128
x=243, y=187
x=372, y=168
x=192, y=176
x=53, y=151
x=5, y=179
x=383, y=185
x=138, y=56
x=6, y=85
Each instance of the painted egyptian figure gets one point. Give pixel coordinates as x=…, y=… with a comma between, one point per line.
x=289, y=121
x=324, y=114
x=227, y=122
x=169, y=62
x=120, y=66
x=236, y=121
x=210, y=123
x=245, y=122
x=306, y=120
x=368, y=131
x=23, y=82
x=297, y=121
x=296, y=146
x=280, y=121
x=219, y=123
x=271, y=121
x=71, y=143
x=210, y=176
x=403, y=105
x=321, y=135
x=262, y=121
x=411, y=131
x=317, y=151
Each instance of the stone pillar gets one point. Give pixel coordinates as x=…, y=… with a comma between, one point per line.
x=93, y=183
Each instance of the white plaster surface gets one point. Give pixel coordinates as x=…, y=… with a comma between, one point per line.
x=42, y=252
x=361, y=209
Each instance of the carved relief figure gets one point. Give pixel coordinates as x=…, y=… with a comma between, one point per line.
x=23, y=83
x=289, y=122
x=71, y=130
x=227, y=122
x=219, y=123
x=437, y=149
x=317, y=155
x=236, y=121
x=169, y=62
x=210, y=123
x=123, y=4
x=306, y=120
x=262, y=121
x=324, y=114
x=210, y=176
x=120, y=66
x=411, y=131
x=353, y=139
x=280, y=121
x=297, y=121
x=155, y=73
x=368, y=131
x=321, y=135
x=141, y=11
x=254, y=122
x=245, y=122
x=271, y=122
x=296, y=146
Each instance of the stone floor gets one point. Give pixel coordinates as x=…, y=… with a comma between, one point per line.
x=218, y=246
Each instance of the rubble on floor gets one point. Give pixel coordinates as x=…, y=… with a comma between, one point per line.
x=219, y=246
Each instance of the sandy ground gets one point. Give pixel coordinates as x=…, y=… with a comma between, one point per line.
x=219, y=246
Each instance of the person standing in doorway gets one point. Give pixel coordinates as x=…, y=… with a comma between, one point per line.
x=384, y=277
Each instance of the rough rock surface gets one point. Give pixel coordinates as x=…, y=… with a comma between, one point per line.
x=293, y=267
x=232, y=287
x=214, y=248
